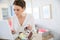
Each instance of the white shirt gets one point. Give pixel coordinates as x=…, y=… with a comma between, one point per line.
x=18, y=28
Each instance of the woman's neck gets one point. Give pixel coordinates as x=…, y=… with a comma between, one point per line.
x=21, y=15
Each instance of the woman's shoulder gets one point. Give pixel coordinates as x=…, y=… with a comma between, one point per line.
x=30, y=15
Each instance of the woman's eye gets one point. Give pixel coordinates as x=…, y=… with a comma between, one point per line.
x=17, y=9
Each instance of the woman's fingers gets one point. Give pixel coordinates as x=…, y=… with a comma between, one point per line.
x=13, y=31
x=30, y=27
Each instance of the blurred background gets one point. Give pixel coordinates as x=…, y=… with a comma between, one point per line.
x=47, y=19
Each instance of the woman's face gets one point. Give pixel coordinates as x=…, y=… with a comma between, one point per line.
x=18, y=10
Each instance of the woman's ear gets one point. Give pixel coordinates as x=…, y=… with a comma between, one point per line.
x=24, y=10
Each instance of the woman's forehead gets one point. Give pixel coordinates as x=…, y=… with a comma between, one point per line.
x=15, y=6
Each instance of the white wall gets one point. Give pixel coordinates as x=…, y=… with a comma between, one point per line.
x=54, y=23
x=1, y=2
x=3, y=5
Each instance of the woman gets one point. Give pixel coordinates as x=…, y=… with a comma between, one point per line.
x=21, y=19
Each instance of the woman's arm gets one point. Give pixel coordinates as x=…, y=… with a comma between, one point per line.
x=31, y=27
x=32, y=20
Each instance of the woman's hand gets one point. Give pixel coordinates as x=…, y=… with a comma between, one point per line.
x=29, y=27
x=13, y=31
